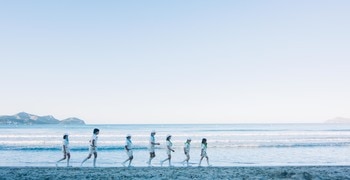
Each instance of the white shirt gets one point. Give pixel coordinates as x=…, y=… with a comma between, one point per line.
x=204, y=148
x=151, y=143
x=169, y=144
x=187, y=147
x=128, y=144
x=93, y=139
x=65, y=142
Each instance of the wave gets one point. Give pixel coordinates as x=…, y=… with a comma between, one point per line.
x=80, y=148
x=227, y=146
x=295, y=145
x=272, y=130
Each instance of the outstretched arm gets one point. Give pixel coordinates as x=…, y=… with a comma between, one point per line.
x=153, y=143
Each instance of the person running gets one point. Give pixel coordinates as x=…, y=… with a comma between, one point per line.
x=92, y=147
x=128, y=148
x=204, y=151
x=187, y=148
x=152, y=144
x=169, y=149
x=65, y=150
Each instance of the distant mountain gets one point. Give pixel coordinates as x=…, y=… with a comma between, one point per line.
x=339, y=120
x=26, y=118
x=72, y=120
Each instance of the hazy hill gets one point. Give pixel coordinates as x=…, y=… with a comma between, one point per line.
x=26, y=118
x=72, y=120
x=339, y=120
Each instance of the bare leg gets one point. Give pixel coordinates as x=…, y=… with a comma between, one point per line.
x=186, y=160
x=200, y=161
x=168, y=158
x=152, y=155
x=95, y=156
x=149, y=161
x=161, y=162
x=130, y=160
x=68, y=155
x=64, y=157
x=89, y=156
x=123, y=163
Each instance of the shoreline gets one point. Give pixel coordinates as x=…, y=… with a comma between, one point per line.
x=242, y=172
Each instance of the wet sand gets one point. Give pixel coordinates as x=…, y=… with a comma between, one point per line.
x=273, y=172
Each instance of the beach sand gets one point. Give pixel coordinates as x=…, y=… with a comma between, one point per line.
x=277, y=172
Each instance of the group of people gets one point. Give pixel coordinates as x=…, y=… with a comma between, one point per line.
x=129, y=149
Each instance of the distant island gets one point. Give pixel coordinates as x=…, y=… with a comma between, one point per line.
x=339, y=120
x=29, y=119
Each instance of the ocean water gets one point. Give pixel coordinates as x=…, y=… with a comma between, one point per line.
x=228, y=144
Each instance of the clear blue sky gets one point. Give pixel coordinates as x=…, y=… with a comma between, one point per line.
x=176, y=61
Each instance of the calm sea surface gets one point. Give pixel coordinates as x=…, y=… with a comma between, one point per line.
x=228, y=145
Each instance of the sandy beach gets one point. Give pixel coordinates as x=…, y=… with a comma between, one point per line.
x=288, y=172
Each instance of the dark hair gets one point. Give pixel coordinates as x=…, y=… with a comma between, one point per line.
x=204, y=140
x=96, y=130
x=65, y=136
x=168, y=138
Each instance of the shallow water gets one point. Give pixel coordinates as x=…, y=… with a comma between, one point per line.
x=228, y=145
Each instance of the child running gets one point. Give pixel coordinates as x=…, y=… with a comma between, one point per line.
x=128, y=148
x=65, y=150
x=204, y=151
x=187, y=148
x=169, y=146
x=92, y=147
x=152, y=144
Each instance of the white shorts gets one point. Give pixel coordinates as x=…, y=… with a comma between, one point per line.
x=129, y=153
x=67, y=151
x=168, y=152
x=92, y=150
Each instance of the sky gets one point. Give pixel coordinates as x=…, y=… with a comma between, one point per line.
x=200, y=61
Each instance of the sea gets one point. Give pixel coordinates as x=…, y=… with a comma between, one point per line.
x=228, y=144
